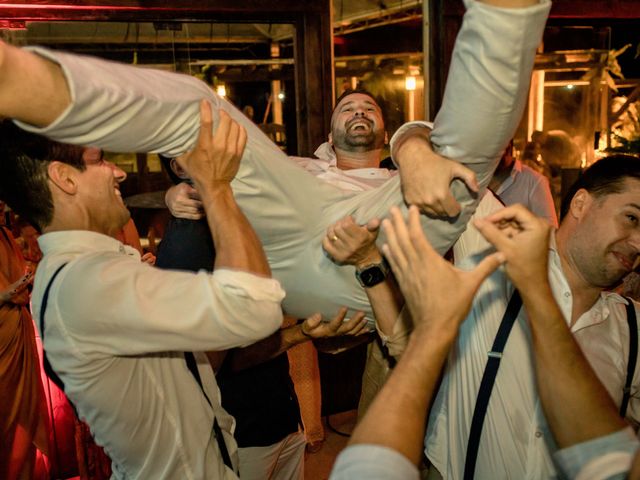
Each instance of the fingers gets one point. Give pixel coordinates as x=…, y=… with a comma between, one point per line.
x=313, y=321
x=224, y=125
x=336, y=321
x=355, y=325
x=206, y=123
x=449, y=205
x=466, y=175
x=497, y=237
x=242, y=141
x=373, y=225
x=418, y=240
x=513, y=213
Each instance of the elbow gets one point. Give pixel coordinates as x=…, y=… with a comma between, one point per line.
x=272, y=319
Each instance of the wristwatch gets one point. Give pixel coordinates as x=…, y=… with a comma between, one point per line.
x=373, y=274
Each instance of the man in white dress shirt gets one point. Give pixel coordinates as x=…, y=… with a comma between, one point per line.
x=108, y=321
x=122, y=108
x=597, y=243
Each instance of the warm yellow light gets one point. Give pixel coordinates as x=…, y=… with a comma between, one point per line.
x=410, y=83
x=221, y=90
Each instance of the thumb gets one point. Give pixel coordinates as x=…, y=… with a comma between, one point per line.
x=466, y=175
x=373, y=225
x=493, y=234
x=486, y=267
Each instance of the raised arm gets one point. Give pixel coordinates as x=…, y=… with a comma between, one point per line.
x=396, y=419
x=348, y=243
x=578, y=408
x=212, y=165
x=32, y=88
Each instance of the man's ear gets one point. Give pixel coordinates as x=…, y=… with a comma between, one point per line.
x=386, y=137
x=63, y=176
x=330, y=138
x=580, y=203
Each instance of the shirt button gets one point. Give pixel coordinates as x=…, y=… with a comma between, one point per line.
x=538, y=434
x=567, y=294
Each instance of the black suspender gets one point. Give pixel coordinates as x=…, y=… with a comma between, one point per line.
x=188, y=356
x=493, y=364
x=488, y=380
x=47, y=366
x=633, y=355
x=193, y=368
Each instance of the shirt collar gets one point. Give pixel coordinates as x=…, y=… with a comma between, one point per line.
x=80, y=241
x=326, y=152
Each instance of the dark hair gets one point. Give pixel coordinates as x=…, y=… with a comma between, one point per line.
x=24, y=159
x=352, y=91
x=166, y=163
x=604, y=177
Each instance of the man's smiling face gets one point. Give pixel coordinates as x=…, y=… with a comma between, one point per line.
x=357, y=124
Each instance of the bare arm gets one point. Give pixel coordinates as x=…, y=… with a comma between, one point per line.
x=212, y=164
x=396, y=419
x=348, y=243
x=32, y=89
x=577, y=406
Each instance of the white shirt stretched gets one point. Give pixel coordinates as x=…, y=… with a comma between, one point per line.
x=115, y=330
x=124, y=108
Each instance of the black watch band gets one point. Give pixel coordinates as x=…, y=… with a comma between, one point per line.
x=373, y=274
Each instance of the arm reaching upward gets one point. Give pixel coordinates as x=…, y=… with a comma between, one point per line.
x=576, y=404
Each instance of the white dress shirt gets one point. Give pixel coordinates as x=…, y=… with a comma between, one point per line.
x=516, y=442
x=115, y=330
x=124, y=108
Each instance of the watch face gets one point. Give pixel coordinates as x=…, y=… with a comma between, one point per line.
x=372, y=276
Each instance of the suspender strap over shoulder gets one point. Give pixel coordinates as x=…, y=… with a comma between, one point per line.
x=43, y=308
x=633, y=356
x=189, y=358
x=488, y=380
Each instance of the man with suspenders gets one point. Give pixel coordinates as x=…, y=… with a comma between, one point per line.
x=124, y=340
x=496, y=428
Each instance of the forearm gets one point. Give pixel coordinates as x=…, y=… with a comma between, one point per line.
x=237, y=245
x=32, y=88
x=397, y=417
x=386, y=303
x=485, y=96
x=266, y=349
x=577, y=406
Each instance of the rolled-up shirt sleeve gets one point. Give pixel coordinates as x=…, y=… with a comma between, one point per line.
x=607, y=457
x=373, y=462
x=127, y=307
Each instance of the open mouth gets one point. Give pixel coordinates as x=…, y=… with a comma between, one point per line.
x=360, y=126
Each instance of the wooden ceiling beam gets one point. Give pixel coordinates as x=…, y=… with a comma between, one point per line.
x=313, y=47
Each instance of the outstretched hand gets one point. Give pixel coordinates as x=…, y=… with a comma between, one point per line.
x=523, y=239
x=426, y=176
x=348, y=243
x=215, y=159
x=314, y=327
x=437, y=294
